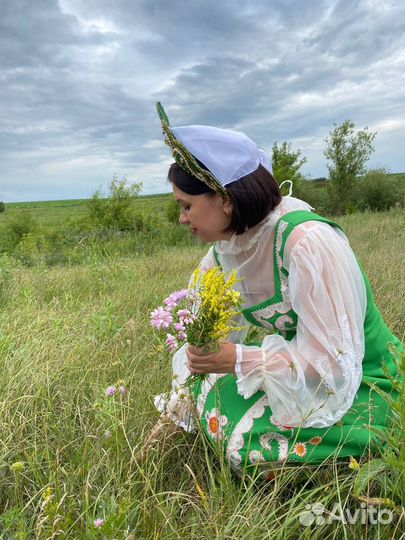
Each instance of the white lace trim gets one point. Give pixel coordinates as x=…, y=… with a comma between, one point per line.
x=245, y=424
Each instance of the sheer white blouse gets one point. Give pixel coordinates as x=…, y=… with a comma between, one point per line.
x=312, y=380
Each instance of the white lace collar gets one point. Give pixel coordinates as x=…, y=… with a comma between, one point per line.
x=245, y=241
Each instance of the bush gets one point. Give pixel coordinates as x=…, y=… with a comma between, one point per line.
x=2, y=206
x=31, y=250
x=116, y=209
x=317, y=196
x=376, y=191
x=173, y=212
x=21, y=223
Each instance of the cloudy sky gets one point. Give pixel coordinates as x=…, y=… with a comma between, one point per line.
x=79, y=80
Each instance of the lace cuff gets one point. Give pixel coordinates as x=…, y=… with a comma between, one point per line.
x=249, y=370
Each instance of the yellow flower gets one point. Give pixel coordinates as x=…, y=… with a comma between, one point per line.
x=218, y=305
x=18, y=466
x=354, y=464
x=47, y=494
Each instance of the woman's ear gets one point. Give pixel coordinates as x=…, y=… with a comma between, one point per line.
x=227, y=206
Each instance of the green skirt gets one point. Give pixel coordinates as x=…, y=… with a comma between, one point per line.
x=245, y=431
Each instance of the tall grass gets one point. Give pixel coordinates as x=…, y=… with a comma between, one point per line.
x=69, y=454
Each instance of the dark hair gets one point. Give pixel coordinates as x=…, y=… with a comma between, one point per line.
x=254, y=196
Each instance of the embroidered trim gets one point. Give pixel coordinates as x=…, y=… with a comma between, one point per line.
x=282, y=441
x=206, y=386
x=245, y=424
x=283, y=307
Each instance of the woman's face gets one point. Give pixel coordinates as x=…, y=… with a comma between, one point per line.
x=206, y=216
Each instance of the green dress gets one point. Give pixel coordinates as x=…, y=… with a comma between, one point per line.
x=245, y=430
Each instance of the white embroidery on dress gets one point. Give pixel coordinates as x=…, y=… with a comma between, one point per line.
x=255, y=456
x=206, y=386
x=283, y=307
x=281, y=323
x=282, y=441
x=245, y=424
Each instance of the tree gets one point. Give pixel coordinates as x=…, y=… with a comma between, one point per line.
x=116, y=209
x=287, y=164
x=347, y=152
x=2, y=206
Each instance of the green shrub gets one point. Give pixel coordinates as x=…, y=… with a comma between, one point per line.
x=27, y=250
x=116, y=210
x=317, y=196
x=376, y=191
x=20, y=224
x=173, y=211
x=2, y=206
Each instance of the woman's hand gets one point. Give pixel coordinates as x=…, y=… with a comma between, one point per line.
x=223, y=361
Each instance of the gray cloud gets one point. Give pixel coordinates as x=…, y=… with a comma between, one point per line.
x=78, y=82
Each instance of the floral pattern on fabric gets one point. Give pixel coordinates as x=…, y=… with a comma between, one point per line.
x=215, y=422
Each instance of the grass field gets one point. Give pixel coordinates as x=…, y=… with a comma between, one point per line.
x=70, y=454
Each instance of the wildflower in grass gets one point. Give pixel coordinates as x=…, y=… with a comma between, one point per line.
x=122, y=390
x=18, y=466
x=110, y=391
x=354, y=464
x=46, y=497
x=47, y=494
x=99, y=522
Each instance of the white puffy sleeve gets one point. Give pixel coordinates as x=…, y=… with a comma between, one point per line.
x=176, y=405
x=312, y=380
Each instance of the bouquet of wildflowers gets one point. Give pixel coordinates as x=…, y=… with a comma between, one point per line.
x=201, y=315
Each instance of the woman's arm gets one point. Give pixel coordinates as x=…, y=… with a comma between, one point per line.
x=312, y=380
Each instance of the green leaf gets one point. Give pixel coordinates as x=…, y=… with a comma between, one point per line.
x=366, y=473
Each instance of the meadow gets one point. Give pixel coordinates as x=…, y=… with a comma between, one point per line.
x=76, y=323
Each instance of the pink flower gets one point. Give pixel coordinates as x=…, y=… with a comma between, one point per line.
x=122, y=390
x=181, y=336
x=175, y=298
x=171, y=343
x=170, y=303
x=98, y=522
x=180, y=295
x=185, y=316
x=179, y=327
x=111, y=390
x=160, y=318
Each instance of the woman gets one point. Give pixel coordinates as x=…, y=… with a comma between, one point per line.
x=303, y=392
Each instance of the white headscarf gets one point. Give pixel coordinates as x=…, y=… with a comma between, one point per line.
x=228, y=154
